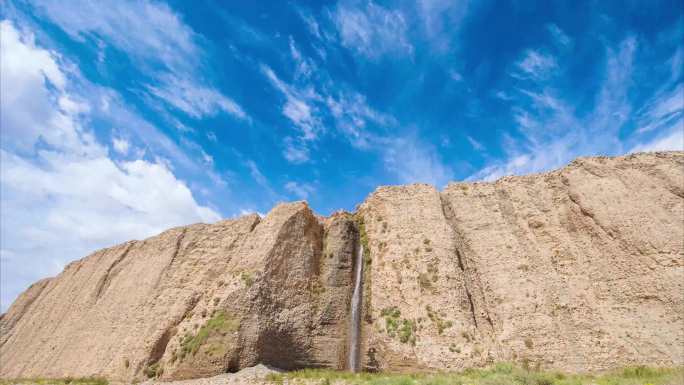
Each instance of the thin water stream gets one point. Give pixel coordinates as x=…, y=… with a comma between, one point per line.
x=355, y=324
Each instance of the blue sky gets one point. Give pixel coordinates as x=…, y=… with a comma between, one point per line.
x=123, y=118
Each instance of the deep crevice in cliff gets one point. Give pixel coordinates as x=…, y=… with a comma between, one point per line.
x=176, y=252
x=469, y=274
x=109, y=275
x=161, y=343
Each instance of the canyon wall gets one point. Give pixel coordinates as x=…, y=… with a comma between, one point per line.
x=577, y=269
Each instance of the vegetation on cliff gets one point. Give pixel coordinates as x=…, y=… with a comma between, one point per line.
x=219, y=325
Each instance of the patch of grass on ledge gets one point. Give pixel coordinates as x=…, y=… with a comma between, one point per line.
x=500, y=374
x=55, y=381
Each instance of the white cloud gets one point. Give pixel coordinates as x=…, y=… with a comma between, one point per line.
x=121, y=145
x=304, y=107
x=352, y=116
x=672, y=141
x=300, y=190
x=552, y=133
x=311, y=23
x=193, y=99
x=242, y=212
x=410, y=161
x=677, y=63
x=299, y=106
x=112, y=108
x=502, y=95
x=612, y=107
x=535, y=65
x=147, y=30
x=256, y=174
x=66, y=198
x=559, y=37
x=477, y=146
x=24, y=73
x=455, y=76
x=294, y=151
x=309, y=104
x=156, y=39
x=262, y=180
x=300, y=113
x=303, y=66
x=441, y=19
x=216, y=178
x=511, y=167
x=663, y=109
x=413, y=161
x=372, y=30
x=208, y=159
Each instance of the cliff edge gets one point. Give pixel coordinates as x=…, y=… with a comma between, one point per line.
x=576, y=269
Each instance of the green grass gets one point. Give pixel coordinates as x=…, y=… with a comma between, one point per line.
x=55, y=381
x=219, y=325
x=395, y=326
x=499, y=374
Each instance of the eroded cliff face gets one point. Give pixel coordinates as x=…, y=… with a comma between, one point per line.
x=577, y=269
x=192, y=302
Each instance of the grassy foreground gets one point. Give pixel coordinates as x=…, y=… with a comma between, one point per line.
x=53, y=381
x=500, y=374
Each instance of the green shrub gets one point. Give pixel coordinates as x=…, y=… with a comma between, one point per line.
x=153, y=371
x=406, y=332
x=219, y=325
x=437, y=320
x=363, y=236
x=247, y=278
x=396, y=326
x=390, y=312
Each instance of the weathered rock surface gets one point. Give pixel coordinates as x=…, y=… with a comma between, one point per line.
x=577, y=269
x=192, y=302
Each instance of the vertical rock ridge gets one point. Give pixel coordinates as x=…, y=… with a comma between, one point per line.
x=473, y=284
x=109, y=275
x=176, y=251
x=333, y=293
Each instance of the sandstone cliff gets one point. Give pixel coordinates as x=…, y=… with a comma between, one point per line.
x=577, y=269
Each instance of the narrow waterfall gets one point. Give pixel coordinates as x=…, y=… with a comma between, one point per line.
x=355, y=322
